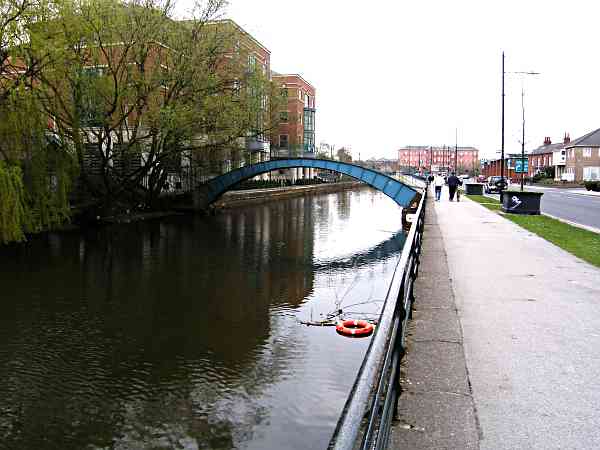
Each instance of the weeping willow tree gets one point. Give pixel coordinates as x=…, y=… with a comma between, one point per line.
x=37, y=170
x=35, y=176
x=14, y=217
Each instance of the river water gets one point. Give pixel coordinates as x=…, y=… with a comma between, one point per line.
x=185, y=333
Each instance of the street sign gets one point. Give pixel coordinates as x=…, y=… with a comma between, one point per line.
x=519, y=165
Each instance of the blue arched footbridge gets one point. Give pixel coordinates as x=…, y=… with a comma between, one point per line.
x=210, y=191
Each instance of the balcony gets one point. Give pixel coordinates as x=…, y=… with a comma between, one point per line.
x=302, y=152
x=309, y=148
x=254, y=144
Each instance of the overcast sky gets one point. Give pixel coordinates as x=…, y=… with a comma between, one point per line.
x=391, y=73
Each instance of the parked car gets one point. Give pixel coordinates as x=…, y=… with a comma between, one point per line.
x=481, y=179
x=491, y=185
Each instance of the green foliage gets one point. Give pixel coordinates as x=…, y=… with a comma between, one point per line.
x=592, y=185
x=50, y=174
x=14, y=217
x=545, y=172
x=37, y=175
x=489, y=203
x=582, y=243
x=170, y=90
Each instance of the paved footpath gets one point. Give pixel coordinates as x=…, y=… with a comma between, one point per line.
x=529, y=313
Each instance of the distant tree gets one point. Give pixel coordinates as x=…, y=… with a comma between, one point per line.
x=343, y=154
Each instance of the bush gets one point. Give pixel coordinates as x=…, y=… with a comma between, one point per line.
x=592, y=185
x=545, y=172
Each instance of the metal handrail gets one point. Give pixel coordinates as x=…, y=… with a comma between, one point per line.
x=366, y=419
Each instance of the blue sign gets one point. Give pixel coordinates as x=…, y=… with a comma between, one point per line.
x=519, y=165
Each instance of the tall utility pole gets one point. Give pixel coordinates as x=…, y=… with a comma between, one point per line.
x=502, y=148
x=523, y=138
x=455, y=150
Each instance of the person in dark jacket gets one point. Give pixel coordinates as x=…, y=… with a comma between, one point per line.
x=453, y=183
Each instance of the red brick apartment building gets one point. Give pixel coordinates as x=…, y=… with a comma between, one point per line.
x=295, y=134
x=441, y=158
x=259, y=58
x=237, y=45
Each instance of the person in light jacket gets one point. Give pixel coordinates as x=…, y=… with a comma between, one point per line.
x=438, y=182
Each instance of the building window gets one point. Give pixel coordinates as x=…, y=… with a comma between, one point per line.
x=572, y=153
x=284, y=92
x=591, y=173
x=283, y=141
x=251, y=63
x=283, y=116
x=587, y=152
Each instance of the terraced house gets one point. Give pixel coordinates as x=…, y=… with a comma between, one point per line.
x=548, y=155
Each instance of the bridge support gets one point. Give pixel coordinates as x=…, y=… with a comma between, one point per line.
x=201, y=199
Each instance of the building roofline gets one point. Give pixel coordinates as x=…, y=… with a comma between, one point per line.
x=576, y=142
x=294, y=75
x=436, y=147
x=239, y=27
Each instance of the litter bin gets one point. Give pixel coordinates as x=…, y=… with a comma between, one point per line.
x=474, y=188
x=516, y=202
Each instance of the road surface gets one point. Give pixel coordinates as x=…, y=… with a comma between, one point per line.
x=569, y=204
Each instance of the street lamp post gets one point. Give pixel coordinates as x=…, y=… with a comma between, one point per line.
x=523, y=136
x=523, y=128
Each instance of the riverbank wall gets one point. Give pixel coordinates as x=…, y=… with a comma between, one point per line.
x=234, y=199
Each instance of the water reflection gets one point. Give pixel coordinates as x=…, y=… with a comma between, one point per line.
x=184, y=333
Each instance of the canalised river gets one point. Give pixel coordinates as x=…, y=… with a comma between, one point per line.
x=185, y=333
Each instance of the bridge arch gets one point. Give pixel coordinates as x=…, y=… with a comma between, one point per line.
x=210, y=191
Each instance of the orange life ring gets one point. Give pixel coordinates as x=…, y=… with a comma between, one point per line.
x=354, y=328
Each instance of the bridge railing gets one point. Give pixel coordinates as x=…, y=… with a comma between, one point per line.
x=411, y=180
x=366, y=420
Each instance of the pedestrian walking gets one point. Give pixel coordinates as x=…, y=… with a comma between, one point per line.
x=438, y=182
x=453, y=183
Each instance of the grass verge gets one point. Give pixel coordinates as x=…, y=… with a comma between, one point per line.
x=582, y=243
x=489, y=203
